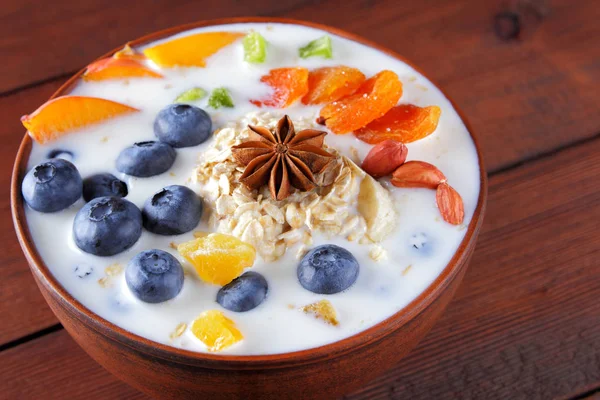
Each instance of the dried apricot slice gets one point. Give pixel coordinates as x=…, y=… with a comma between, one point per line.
x=332, y=83
x=66, y=113
x=404, y=123
x=376, y=96
x=289, y=84
x=215, y=330
x=116, y=68
x=191, y=50
x=218, y=258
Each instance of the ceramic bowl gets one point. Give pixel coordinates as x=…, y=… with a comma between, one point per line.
x=170, y=373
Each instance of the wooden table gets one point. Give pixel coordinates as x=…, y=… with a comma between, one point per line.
x=525, y=324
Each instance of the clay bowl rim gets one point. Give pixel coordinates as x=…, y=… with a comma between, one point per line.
x=220, y=361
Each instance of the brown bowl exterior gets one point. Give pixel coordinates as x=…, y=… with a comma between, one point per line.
x=324, y=372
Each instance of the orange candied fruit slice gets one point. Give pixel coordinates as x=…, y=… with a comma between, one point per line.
x=67, y=113
x=372, y=100
x=215, y=330
x=218, y=258
x=191, y=50
x=116, y=68
x=405, y=123
x=332, y=83
x=289, y=85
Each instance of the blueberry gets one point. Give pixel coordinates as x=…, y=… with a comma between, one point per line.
x=52, y=186
x=61, y=153
x=418, y=240
x=107, y=225
x=83, y=270
x=117, y=302
x=243, y=293
x=146, y=159
x=327, y=269
x=172, y=211
x=421, y=243
x=182, y=125
x=154, y=276
x=101, y=185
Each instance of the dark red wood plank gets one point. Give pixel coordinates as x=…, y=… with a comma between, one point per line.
x=75, y=376
x=47, y=39
x=524, y=324
x=524, y=95
x=532, y=71
x=22, y=307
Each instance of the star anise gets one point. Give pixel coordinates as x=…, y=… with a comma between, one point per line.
x=282, y=159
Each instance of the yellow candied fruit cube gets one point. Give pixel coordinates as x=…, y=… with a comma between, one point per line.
x=218, y=258
x=215, y=330
x=322, y=309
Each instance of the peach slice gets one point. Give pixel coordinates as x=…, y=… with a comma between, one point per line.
x=67, y=113
x=192, y=50
x=405, y=123
x=332, y=83
x=289, y=85
x=375, y=97
x=116, y=68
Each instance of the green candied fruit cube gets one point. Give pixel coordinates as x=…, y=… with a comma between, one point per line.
x=192, y=94
x=318, y=47
x=255, y=48
x=220, y=97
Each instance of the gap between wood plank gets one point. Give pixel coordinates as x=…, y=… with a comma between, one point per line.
x=543, y=155
x=505, y=169
x=588, y=394
x=30, y=337
x=37, y=83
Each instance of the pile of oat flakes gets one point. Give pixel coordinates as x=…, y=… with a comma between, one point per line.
x=274, y=226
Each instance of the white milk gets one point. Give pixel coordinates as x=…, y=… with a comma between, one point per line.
x=273, y=327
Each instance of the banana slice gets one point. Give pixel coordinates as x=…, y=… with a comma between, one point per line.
x=355, y=169
x=377, y=208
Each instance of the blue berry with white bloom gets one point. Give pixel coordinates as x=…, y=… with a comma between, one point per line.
x=154, y=276
x=104, y=184
x=52, y=186
x=145, y=159
x=107, y=226
x=243, y=293
x=182, y=125
x=327, y=269
x=173, y=210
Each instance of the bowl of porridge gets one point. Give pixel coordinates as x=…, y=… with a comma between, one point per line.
x=248, y=208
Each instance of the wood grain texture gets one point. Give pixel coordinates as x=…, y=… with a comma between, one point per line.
x=168, y=373
x=529, y=303
x=524, y=96
x=43, y=39
x=523, y=325
x=23, y=310
x=74, y=375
